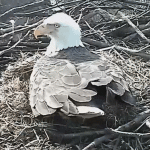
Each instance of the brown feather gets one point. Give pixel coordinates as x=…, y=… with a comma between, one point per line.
x=61, y=82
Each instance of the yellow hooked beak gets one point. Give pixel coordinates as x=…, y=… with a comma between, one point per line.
x=44, y=29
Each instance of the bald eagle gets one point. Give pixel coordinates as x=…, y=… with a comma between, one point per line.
x=69, y=78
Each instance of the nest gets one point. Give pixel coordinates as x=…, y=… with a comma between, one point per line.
x=18, y=127
x=17, y=120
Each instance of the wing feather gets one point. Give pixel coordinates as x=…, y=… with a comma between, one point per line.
x=102, y=81
x=73, y=80
x=83, y=92
x=79, y=98
x=43, y=108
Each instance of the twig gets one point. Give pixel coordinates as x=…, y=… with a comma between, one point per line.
x=142, y=124
x=139, y=143
x=135, y=122
x=34, y=142
x=34, y=44
x=20, y=8
x=104, y=49
x=102, y=36
x=9, y=49
x=46, y=134
x=119, y=48
x=134, y=35
x=111, y=133
x=11, y=108
x=6, y=30
x=130, y=50
x=72, y=136
x=109, y=48
x=117, y=142
x=128, y=145
x=97, y=141
x=5, y=140
x=94, y=42
x=136, y=2
x=43, y=143
x=131, y=134
x=19, y=134
x=79, y=18
x=77, y=6
x=28, y=14
x=22, y=29
x=135, y=27
x=134, y=52
x=37, y=137
x=25, y=128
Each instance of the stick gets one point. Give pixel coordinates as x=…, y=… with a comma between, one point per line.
x=111, y=134
x=131, y=134
x=21, y=7
x=135, y=27
x=136, y=2
x=9, y=49
x=22, y=29
x=134, y=35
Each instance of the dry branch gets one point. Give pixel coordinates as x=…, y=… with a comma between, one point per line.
x=25, y=28
x=9, y=49
x=136, y=29
x=120, y=131
x=28, y=6
x=136, y=2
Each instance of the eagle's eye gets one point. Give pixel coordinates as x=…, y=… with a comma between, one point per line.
x=56, y=25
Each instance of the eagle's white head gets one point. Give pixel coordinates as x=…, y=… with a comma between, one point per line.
x=63, y=31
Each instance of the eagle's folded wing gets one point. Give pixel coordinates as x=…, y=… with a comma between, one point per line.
x=57, y=84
